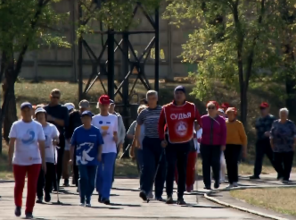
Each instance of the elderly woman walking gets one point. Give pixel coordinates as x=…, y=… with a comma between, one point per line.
x=236, y=141
x=26, y=153
x=283, y=142
x=212, y=143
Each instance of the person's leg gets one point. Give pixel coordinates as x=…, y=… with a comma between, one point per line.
x=139, y=153
x=288, y=163
x=49, y=178
x=60, y=164
x=83, y=182
x=190, y=171
x=182, y=157
x=99, y=179
x=222, y=167
x=259, y=159
x=75, y=170
x=66, y=158
x=161, y=172
x=228, y=159
x=40, y=186
x=270, y=154
x=216, y=158
x=236, y=155
x=19, y=173
x=171, y=159
x=206, y=155
x=108, y=161
x=278, y=164
x=91, y=182
x=33, y=174
x=148, y=167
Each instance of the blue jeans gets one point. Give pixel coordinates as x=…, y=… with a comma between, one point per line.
x=139, y=158
x=87, y=176
x=153, y=151
x=104, y=175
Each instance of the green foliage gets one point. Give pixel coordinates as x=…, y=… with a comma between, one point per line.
x=29, y=23
x=114, y=14
x=250, y=35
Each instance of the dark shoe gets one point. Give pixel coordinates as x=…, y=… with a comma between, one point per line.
x=169, y=200
x=159, y=198
x=279, y=177
x=66, y=183
x=208, y=188
x=181, y=201
x=29, y=215
x=47, y=197
x=285, y=181
x=39, y=200
x=106, y=201
x=100, y=199
x=216, y=185
x=254, y=177
x=18, y=211
x=143, y=195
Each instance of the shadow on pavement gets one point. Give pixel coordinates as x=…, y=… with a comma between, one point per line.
x=127, y=205
x=100, y=207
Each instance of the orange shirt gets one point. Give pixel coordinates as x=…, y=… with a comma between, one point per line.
x=236, y=133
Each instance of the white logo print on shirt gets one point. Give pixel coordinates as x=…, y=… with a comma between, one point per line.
x=85, y=158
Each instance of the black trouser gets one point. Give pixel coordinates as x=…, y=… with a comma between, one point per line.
x=75, y=170
x=152, y=152
x=211, y=155
x=283, y=162
x=263, y=147
x=45, y=180
x=232, y=154
x=59, y=166
x=176, y=154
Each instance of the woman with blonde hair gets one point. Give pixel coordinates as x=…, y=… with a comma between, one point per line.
x=213, y=141
x=236, y=140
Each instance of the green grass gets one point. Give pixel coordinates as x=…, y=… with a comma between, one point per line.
x=279, y=200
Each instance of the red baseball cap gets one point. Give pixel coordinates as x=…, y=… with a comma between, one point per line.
x=264, y=105
x=104, y=100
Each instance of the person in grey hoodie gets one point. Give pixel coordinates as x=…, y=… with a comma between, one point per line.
x=121, y=130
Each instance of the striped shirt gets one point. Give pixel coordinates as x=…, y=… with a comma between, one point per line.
x=149, y=118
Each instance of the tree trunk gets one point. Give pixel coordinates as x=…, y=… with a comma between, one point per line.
x=9, y=104
x=244, y=105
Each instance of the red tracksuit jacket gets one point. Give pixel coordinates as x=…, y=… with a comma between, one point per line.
x=179, y=121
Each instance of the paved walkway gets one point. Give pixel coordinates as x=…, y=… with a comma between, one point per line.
x=126, y=205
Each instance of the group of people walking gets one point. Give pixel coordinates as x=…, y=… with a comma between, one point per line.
x=50, y=138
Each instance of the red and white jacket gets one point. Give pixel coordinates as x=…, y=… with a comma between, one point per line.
x=178, y=121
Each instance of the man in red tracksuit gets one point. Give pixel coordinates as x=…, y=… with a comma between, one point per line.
x=178, y=117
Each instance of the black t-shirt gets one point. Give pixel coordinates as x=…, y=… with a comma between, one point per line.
x=74, y=122
x=59, y=112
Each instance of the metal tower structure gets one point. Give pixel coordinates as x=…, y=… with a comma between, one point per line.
x=135, y=64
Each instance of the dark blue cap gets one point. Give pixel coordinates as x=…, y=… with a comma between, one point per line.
x=26, y=104
x=112, y=101
x=88, y=113
x=180, y=88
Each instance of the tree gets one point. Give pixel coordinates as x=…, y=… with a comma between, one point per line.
x=243, y=47
x=24, y=25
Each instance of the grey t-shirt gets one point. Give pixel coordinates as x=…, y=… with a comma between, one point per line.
x=132, y=131
x=149, y=118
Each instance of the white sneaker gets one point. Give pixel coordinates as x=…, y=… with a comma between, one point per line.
x=82, y=204
x=235, y=184
x=230, y=186
x=88, y=205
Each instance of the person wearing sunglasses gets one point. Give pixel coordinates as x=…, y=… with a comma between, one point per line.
x=27, y=154
x=58, y=115
x=213, y=142
x=263, y=126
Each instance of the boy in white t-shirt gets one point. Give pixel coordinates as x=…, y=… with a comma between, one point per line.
x=45, y=180
x=108, y=125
